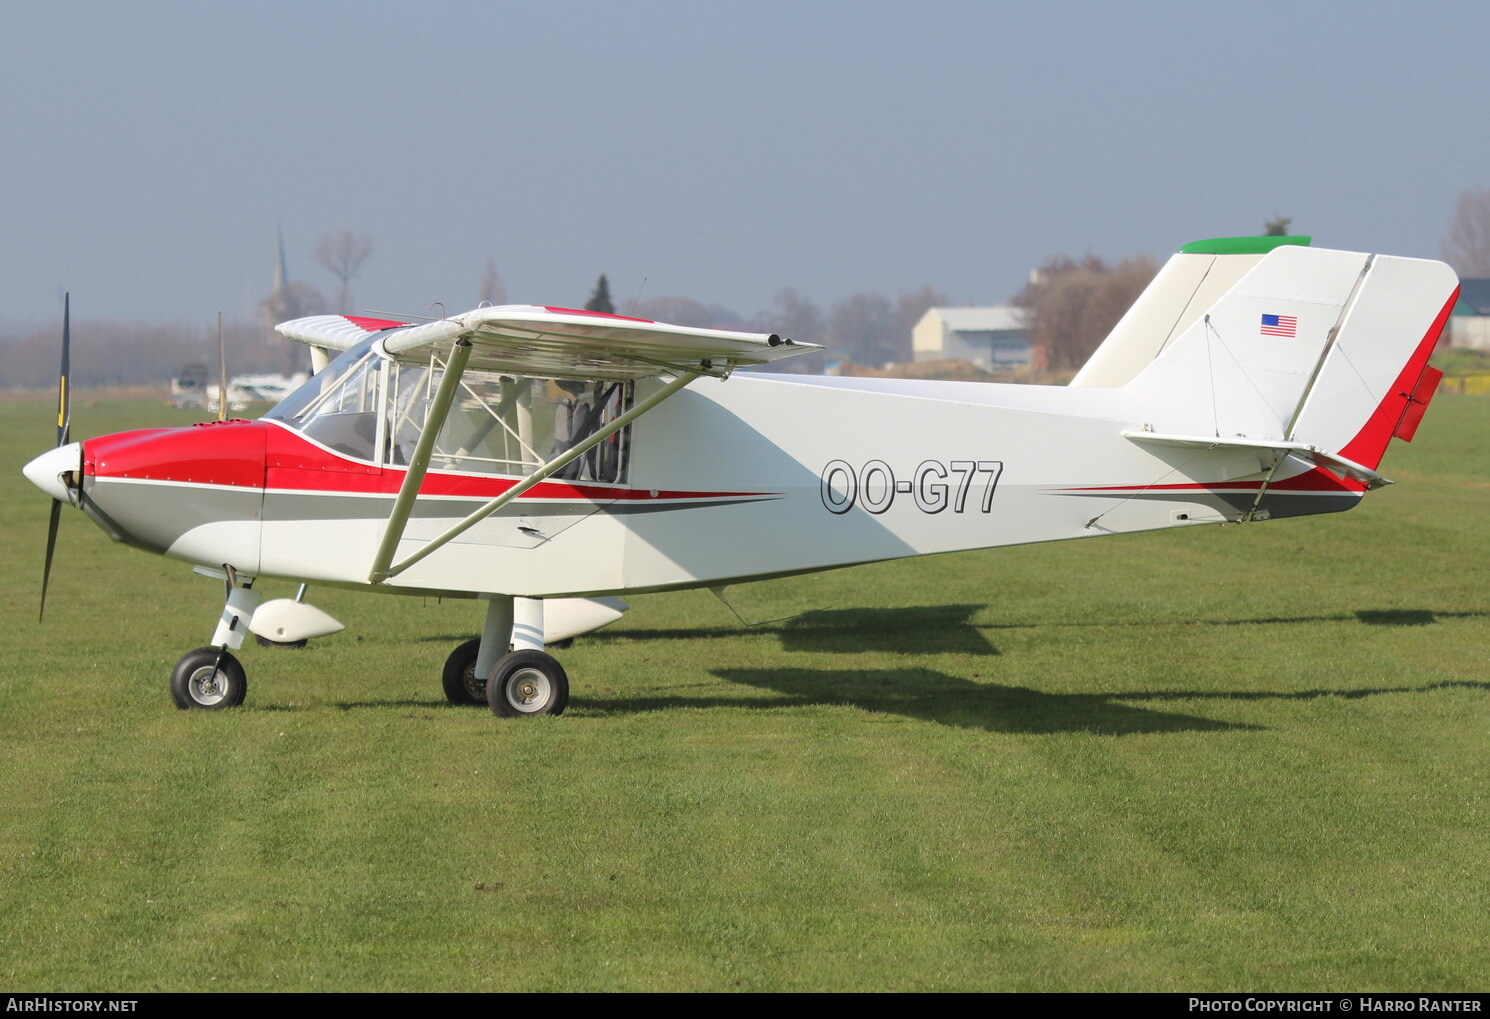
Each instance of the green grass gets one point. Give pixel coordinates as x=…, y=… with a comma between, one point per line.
x=1218, y=758
x=1461, y=360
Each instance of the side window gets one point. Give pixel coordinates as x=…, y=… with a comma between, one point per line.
x=500, y=424
x=581, y=409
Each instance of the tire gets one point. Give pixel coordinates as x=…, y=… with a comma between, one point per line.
x=195, y=686
x=527, y=683
x=266, y=642
x=463, y=687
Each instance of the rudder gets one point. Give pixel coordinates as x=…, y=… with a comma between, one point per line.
x=1374, y=381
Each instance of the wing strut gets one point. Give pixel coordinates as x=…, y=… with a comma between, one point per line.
x=434, y=421
x=383, y=571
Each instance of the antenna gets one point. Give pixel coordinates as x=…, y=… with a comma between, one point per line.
x=222, y=374
x=638, y=298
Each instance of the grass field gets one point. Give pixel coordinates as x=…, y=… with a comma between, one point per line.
x=1229, y=758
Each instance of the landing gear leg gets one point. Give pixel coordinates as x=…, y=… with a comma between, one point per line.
x=209, y=678
x=527, y=681
x=470, y=664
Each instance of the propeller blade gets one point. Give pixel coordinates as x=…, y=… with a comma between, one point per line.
x=64, y=426
x=64, y=389
x=46, y=571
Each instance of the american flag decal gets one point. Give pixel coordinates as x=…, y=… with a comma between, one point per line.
x=1280, y=325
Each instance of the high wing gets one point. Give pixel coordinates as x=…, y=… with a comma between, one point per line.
x=540, y=342
x=555, y=342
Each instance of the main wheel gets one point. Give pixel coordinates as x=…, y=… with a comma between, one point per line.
x=527, y=682
x=462, y=686
x=200, y=682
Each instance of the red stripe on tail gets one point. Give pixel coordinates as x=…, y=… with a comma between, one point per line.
x=1370, y=443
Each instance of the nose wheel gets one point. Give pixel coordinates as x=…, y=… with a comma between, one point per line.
x=208, y=679
x=526, y=683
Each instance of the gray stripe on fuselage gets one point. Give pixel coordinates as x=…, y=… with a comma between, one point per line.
x=154, y=516
x=332, y=506
x=1277, y=504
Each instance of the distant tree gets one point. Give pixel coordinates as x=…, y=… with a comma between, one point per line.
x=793, y=316
x=343, y=253
x=292, y=300
x=863, y=326
x=1071, y=306
x=493, y=290
x=112, y=353
x=796, y=317
x=600, y=299
x=1277, y=227
x=1467, y=247
x=685, y=311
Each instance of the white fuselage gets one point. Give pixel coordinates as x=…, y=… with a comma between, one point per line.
x=731, y=479
x=1277, y=398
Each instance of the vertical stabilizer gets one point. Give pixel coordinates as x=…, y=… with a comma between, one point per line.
x=1242, y=367
x=1191, y=281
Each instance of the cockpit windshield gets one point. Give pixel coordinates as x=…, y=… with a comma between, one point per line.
x=367, y=407
x=338, y=407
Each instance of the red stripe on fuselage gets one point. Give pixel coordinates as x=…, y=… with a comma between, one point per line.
x=259, y=454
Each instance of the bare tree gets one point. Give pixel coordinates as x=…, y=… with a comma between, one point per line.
x=794, y=316
x=493, y=290
x=121, y=353
x=1467, y=247
x=343, y=254
x=1071, y=306
x=685, y=311
x=863, y=326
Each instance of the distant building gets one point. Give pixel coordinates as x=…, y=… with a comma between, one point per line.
x=1469, y=325
x=995, y=338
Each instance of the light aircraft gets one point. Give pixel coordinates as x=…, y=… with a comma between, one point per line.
x=546, y=460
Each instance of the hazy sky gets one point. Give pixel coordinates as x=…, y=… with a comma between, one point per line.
x=720, y=150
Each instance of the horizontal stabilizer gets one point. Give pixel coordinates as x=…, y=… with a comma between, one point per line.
x=1319, y=457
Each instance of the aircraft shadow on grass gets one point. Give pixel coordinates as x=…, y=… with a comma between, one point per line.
x=941, y=629
x=949, y=700
x=933, y=696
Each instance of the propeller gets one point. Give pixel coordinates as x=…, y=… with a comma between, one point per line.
x=64, y=425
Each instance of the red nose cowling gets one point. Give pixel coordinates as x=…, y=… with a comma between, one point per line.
x=212, y=453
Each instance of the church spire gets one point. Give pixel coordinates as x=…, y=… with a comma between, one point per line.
x=281, y=276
